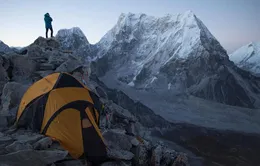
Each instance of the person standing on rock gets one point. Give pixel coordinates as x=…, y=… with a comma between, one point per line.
x=48, y=26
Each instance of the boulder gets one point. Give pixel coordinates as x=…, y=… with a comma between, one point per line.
x=49, y=43
x=118, y=140
x=135, y=142
x=31, y=157
x=70, y=65
x=119, y=154
x=3, y=77
x=4, y=61
x=22, y=68
x=157, y=156
x=16, y=146
x=169, y=156
x=43, y=73
x=116, y=163
x=43, y=143
x=5, y=140
x=3, y=121
x=46, y=66
x=57, y=58
x=101, y=92
x=70, y=163
x=51, y=156
x=22, y=158
x=11, y=95
x=141, y=155
x=120, y=112
x=35, y=52
x=27, y=137
x=181, y=160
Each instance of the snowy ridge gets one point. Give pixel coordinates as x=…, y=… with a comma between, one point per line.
x=151, y=42
x=186, y=28
x=248, y=57
x=174, y=54
x=72, y=31
x=72, y=38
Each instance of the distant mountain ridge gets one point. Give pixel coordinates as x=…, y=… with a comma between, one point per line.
x=73, y=39
x=4, y=48
x=173, y=54
x=248, y=57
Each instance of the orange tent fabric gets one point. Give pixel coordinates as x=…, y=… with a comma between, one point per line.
x=64, y=109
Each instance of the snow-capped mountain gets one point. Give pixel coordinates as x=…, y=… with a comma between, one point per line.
x=74, y=40
x=4, y=48
x=175, y=53
x=248, y=57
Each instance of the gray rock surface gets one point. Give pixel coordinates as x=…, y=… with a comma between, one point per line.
x=17, y=146
x=3, y=121
x=135, y=142
x=43, y=143
x=30, y=157
x=28, y=137
x=70, y=65
x=157, y=156
x=4, y=48
x=119, y=163
x=11, y=95
x=117, y=140
x=71, y=163
x=141, y=155
x=120, y=154
x=22, y=68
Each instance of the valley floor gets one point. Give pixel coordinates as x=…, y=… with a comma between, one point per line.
x=193, y=110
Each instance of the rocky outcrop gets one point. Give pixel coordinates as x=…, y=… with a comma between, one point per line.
x=4, y=48
x=11, y=96
x=125, y=130
x=3, y=73
x=18, y=148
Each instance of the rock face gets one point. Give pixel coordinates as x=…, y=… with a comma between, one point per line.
x=248, y=57
x=4, y=64
x=175, y=54
x=74, y=40
x=126, y=135
x=18, y=146
x=4, y=48
x=11, y=96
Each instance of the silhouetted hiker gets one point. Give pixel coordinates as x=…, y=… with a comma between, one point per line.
x=48, y=20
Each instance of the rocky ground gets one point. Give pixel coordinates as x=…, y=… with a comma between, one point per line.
x=128, y=136
x=136, y=136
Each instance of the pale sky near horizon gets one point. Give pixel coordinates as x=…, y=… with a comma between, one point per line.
x=233, y=22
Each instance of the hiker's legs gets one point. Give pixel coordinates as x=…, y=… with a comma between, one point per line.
x=46, y=34
x=51, y=32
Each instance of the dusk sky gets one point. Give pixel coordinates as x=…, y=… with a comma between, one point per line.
x=233, y=22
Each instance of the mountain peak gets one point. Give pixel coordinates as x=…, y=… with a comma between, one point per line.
x=72, y=39
x=185, y=29
x=248, y=57
x=72, y=31
x=189, y=13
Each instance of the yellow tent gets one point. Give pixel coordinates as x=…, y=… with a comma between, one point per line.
x=61, y=107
